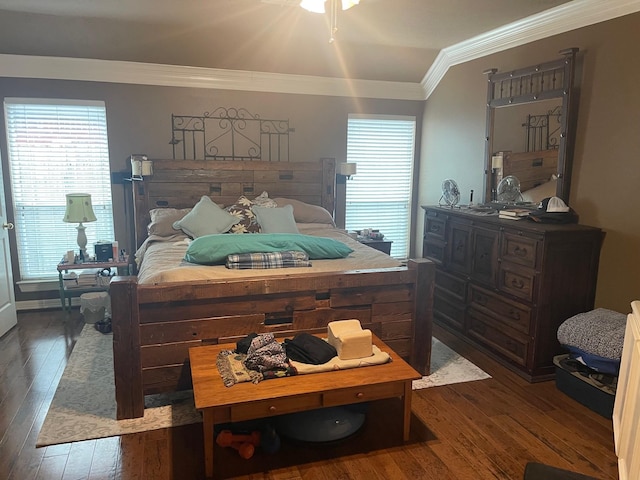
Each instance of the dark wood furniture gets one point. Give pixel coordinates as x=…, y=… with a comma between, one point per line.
x=381, y=245
x=506, y=285
x=155, y=325
x=246, y=401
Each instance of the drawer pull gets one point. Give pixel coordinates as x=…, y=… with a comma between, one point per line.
x=514, y=314
x=435, y=228
x=360, y=395
x=515, y=283
x=272, y=409
x=460, y=246
x=520, y=252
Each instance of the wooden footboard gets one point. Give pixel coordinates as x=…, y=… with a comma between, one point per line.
x=155, y=325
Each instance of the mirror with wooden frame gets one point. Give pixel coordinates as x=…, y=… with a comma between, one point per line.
x=530, y=130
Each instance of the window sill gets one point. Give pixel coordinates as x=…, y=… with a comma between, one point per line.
x=45, y=285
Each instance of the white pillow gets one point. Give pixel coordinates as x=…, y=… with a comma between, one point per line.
x=206, y=218
x=275, y=220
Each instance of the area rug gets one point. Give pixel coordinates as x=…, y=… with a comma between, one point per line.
x=447, y=367
x=83, y=406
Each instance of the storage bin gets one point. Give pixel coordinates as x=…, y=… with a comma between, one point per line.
x=584, y=388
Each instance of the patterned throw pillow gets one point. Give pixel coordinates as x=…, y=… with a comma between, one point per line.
x=242, y=209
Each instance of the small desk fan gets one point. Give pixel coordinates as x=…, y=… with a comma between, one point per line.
x=509, y=189
x=450, y=193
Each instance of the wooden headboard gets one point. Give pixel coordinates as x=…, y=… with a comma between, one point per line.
x=531, y=168
x=181, y=183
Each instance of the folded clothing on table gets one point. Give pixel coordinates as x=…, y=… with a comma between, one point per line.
x=288, y=258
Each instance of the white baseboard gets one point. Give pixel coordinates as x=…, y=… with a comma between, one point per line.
x=44, y=304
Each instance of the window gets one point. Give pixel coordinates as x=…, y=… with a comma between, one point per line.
x=379, y=195
x=56, y=147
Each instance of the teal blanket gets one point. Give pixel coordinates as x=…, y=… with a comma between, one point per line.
x=214, y=249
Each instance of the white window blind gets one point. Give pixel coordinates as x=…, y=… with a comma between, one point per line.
x=56, y=147
x=379, y=195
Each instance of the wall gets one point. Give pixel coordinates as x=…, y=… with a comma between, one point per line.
x=606, y=172
x=139, y=121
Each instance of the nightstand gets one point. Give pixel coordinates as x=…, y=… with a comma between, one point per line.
x=383, y=245
x=67, y=292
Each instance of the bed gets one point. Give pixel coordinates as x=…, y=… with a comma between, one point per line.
x=157, y=316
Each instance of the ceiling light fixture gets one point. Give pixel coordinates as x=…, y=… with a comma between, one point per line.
x=317, y=6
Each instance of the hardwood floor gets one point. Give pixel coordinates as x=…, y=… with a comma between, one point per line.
x=479, y=430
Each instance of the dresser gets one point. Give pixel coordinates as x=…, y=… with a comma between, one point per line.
x=506, y=285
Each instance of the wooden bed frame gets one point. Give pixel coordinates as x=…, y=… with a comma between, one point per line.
x=155, y=325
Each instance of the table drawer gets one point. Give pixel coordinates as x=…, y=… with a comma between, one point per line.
x=513, y=314
x=363, y=393
x=277, y=406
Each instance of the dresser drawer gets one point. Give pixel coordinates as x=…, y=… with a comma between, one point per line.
x=512, y=314
x=499, y=338
x=434, y=226
x=519, y=282
x=277, y=406
x=448, y=310
x=434, y=250
x=454, y=286
x=363, y=393
x=520, y=250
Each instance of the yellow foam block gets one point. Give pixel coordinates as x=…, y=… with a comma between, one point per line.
x=349, y=339
x=337, y=328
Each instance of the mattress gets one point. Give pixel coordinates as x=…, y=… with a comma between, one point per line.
x=161, y=259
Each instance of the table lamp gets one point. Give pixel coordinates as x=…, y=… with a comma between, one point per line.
x=79, y=210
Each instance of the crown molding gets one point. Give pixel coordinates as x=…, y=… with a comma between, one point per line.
x=563, y=18
x=93, y=70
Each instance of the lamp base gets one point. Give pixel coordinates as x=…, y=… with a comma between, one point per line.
x=82, y=241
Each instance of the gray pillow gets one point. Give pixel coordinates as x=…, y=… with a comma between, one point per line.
x=305, y=212
x=275, y=220
x=162, y=220
x=205, y=218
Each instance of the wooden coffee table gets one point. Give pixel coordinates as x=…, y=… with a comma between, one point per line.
x=247, y=401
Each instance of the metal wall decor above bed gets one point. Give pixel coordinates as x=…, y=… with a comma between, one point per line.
x=229, y=134
x=543, y=131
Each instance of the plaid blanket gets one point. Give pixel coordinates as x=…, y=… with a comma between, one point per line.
x=288, y=258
